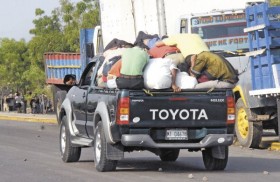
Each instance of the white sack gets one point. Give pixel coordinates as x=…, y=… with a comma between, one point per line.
x=184, y=81
x=111, y=83
x=157, y=73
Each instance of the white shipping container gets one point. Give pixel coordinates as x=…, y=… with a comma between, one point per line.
x=123, y=19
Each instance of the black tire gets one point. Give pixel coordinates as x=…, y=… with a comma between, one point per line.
x=276, y=131
x=212, y=163
x=58, y=99
x=102, y=164
x=169, y=154
x=276, y=128
x=249, y=134
x=68, y=153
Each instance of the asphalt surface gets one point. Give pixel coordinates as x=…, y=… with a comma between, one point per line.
x=30, y=153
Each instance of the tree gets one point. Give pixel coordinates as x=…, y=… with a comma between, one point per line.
x=13, y=64
x=84, y=15
x=58, y=32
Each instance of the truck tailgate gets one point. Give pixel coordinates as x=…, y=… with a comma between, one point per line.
x=186, y=109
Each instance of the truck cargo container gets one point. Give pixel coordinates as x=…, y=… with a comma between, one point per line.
x=264, y=43
x=59, y=64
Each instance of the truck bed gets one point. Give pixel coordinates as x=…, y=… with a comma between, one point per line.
x=192, y=108
x=185, y=118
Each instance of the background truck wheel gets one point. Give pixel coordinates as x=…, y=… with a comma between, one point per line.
x=249, y=134
x=102, y=164
x=212, y=163
x=58, y=99
x=276, y=129
x=68, y=153
x=169, y=154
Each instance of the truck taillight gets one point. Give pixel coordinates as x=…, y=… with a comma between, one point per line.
x=123, y=111
x=230, y=110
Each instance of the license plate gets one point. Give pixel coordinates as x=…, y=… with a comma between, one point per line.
x=176, y=134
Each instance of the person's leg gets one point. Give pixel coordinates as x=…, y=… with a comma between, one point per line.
x=136, y=83
x=121, y=82
x=214, y=84
x=18, y=107
x=130, y=83
x=222, y=84
x=208, y=84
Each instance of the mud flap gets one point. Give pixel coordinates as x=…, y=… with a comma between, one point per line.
x=114, y=152
x=219, y=152
x=278, y=117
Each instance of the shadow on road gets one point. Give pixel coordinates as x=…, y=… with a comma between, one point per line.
x=195, y=164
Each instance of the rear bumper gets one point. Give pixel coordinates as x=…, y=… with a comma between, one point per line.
x=210, y=140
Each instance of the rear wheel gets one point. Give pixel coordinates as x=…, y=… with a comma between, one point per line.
x=102, y=164
x=169, y=154
x=68, y=153
x=249, y=134
x=212, y=163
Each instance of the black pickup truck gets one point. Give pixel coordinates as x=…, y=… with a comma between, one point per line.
x=114, y=121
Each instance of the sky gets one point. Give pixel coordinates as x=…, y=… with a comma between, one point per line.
x=16, y=16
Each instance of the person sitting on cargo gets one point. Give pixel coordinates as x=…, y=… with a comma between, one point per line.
x=19, y=102
x=133, y=62
x=69, y=79
x=186, y=43
x=111, y=56
x=185, y=68
x=218, y=70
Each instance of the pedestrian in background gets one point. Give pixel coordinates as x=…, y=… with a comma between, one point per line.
x=18, y=102
x=10, y=101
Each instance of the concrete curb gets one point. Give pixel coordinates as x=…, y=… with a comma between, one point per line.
x=275, y=146
x=29, y=119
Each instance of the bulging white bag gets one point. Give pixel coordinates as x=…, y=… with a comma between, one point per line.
x=111, y=83
x=184, y=81
x=157, y=74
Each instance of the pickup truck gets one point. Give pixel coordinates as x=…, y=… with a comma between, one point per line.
x=114, y=121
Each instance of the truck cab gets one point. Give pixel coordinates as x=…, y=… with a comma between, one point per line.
x=220, y=29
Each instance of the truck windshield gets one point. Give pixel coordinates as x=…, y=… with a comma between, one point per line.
x=221, y=32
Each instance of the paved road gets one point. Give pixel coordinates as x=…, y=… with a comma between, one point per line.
x=29, y=152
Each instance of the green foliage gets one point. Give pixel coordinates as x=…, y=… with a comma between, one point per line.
x=22, y=64
x=275, y=2
x=13, y=63
x=39, y=11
